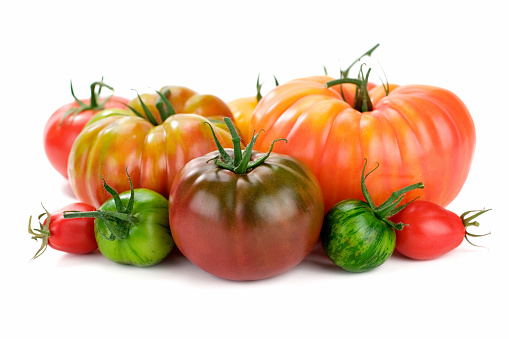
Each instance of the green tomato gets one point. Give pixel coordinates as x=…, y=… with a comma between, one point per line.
x=354, y=238
x=148, y=240
x=132, y=227
x=357, y=235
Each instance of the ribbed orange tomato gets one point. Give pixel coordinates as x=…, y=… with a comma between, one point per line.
x=417, y=133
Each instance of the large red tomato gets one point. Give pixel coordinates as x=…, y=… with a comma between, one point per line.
x=66, y=123
x=243, y=216
x=416, y=133
x=154, y=143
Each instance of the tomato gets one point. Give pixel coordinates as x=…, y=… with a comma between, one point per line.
x=66, y=123
x=418, y=133
x=153, y=145
x=245, y=215
x=359, y=236
x=432, y=230
x=242, y=110
x=71, y=236
x=132, y=227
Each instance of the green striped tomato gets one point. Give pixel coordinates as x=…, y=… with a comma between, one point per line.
x=357, y=235
x=355, y=238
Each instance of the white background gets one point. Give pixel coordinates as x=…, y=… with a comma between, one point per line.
x=219, y=47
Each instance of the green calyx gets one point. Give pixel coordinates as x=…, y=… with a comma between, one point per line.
x=163, y=106
x=42, y=233
x=390, y=206
x=95, y=104
x=118, y=222
x=362, y=101
x=344, y=73
x=241, y=162
x=467, y=222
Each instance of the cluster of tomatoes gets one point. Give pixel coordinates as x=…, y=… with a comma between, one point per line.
x=246, y=189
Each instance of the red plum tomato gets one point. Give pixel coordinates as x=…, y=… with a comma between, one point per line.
x=431, y=230
x=74, y=236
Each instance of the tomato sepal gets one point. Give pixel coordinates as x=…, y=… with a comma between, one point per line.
x=390, y=207
x=240, y=162
x=117, y=223
x=42, y=233
x=163, y=105
x=467, y=222
x=94, y=105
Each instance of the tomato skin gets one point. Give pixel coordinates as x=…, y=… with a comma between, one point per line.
x=417, y=134
x=246, y=226
x=59, y=135
x=72, y=235
x=115, y=139
x=432, y=231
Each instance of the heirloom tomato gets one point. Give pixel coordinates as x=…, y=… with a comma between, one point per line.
x=71, y=236
x=417, y=133
x=432, y=230
x=66, y=123
x=154, y=143
x=132, y=227
x=245, y=215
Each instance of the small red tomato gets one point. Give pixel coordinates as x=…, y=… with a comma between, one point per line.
x=67, y=235
x=66, y=123
x=431, y=230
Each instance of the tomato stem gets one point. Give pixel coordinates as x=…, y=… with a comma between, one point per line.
x=240, y=163
x=467, y=222
x=117, y=222
x=163, y=105
x=390, y=206
x=95, y=104
x=344, y=74
x=362, y=101
x=258, y=89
